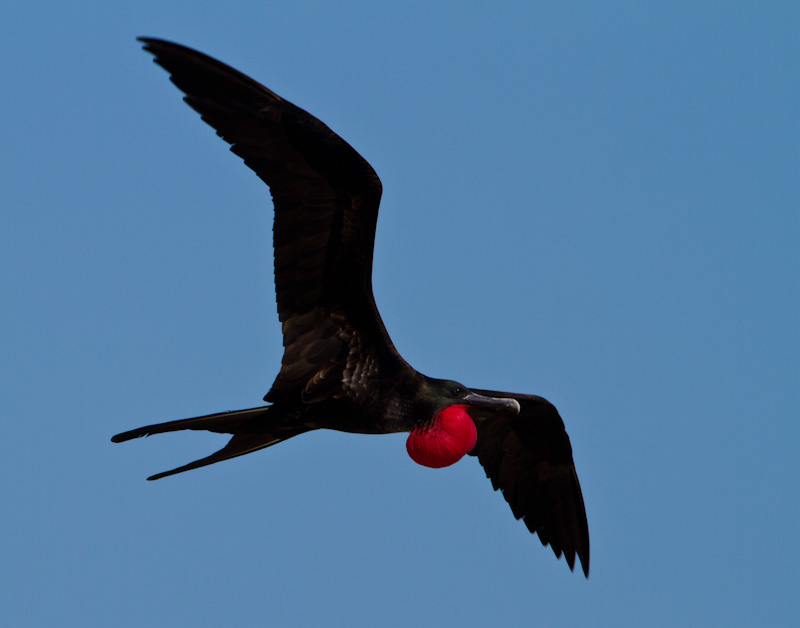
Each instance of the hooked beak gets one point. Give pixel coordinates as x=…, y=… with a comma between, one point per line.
x=474, y=399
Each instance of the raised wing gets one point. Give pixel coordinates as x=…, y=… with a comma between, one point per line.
x=528, y=457
x=326, y=199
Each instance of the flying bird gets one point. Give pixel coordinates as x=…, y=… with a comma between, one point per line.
x=340, y=370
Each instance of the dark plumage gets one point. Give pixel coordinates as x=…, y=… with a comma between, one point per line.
x=340, y=369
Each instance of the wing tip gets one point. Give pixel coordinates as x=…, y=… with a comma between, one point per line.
x=583, y=557
x=582, y=553
x=578, y=548
x=150, y=41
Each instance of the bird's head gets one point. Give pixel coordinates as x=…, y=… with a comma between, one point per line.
x=447, y=432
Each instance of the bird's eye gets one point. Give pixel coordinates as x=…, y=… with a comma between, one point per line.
x=458, y=390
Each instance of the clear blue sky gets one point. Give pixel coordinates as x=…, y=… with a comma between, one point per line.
x=597, y=203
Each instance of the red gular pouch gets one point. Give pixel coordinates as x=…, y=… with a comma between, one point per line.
x=449, y=438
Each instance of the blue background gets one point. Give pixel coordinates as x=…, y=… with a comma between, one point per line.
x=594, y=202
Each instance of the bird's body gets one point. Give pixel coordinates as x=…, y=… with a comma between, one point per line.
x=340, y=369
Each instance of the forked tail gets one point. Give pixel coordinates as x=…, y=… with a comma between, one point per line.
x=250, y=428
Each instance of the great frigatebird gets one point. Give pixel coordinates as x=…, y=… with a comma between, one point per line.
x=340, y=370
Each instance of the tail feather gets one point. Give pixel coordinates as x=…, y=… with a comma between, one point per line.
x=221, y=422
x=250, y=430
x=239, y=445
